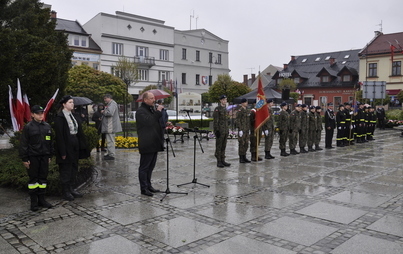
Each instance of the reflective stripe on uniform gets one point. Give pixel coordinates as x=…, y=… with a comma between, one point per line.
x=42, y=186
x=32, y=186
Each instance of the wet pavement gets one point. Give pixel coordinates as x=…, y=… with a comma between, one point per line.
x=343, y=200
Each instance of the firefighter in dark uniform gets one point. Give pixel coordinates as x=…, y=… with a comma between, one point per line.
x=367, y=126
x=221, y=131
x=360, y=123
x=303, y=135
x=349, y=124
x=330, y=125
x=283, y=125
x=243, y=123
x=319, y=128
x=313, y=127
x=372, y=122
x=268, y=129
x=36, y=151
x=341, y=126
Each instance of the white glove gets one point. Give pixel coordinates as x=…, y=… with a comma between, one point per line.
x=240, y=133
x=351, y=112
x=340, y=128
x=266, y=132
x=351, y=127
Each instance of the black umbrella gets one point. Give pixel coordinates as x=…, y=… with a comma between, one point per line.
x=81, y=101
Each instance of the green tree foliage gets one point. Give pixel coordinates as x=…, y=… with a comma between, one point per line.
x=287, y=84
x=167, y=100
x=206, y=98
x=32, y=51
x=385, y=101
x=225, y=85
x=399, y=96
x=295, y=96
x=126, y=70
x=88, y=82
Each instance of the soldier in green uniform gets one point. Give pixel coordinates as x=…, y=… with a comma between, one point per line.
x=268, y=129
x=295, y=127
x=319, y=129
x=243, y=123
x=253, y=140
x=312, y=123
x=303, y=135
x=283, y=125
x=221, y=131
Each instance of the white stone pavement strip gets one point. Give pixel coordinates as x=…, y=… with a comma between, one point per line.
x=342, y=200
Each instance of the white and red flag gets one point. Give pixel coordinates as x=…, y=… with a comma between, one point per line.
x=49, y=105
x=11, y=104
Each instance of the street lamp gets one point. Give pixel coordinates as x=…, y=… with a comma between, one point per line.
x=210, y=78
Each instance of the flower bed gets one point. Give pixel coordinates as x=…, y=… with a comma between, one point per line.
x=129, y=142
x=393, y=123
x=172, y=129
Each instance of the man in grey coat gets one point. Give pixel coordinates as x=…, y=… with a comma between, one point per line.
x=110, y=125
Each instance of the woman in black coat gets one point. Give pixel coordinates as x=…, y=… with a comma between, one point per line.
x=70, y=139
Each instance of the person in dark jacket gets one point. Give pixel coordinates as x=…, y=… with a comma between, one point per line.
x=70, y=139
x=36, y=151
x=341, y=126
x=380, y=115
x=330, y=125
x=149, y=132
x=97, y=118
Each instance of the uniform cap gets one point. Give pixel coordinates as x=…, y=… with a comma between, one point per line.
x=298, y=105
x=318, y=107
x=223, y=97
x=347, y=103
x=283, y=104
x=37, y=109
x=243, y=100
x=330, y=104
x=303, y=105
x=341, y=105
x=65, y=99
x=269, y=100
x=312, y=107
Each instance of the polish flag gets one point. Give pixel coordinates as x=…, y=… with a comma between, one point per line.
x=19, y=113
x=27, y=109
x=10, y=101
x=49, y=105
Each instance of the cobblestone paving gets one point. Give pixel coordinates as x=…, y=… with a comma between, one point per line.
x=343, y=200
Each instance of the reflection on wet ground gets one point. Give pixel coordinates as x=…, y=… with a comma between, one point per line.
x=343, y=200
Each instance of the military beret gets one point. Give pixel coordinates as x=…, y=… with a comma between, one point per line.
x=303, y=106
x=312, y=107
x=330, y=104
x=37, y=109
x=347, y=103
x=283, y=104
x=223, y=97
x=65, y=99
x=298, y=105
x=243, y=100
x=269, y=100
x=318, y=107
x=341, y=105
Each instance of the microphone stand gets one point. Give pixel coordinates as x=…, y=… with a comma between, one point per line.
x=195, y=137
x=169, y=144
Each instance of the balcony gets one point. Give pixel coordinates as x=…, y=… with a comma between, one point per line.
x=144, y=61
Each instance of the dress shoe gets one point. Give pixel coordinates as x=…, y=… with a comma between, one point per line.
x=109, y=158
x=146, y=193
x=151, y=189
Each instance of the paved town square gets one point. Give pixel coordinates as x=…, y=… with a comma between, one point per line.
x=342, y=200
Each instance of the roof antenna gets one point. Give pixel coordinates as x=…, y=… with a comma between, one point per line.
x=191, y=16
x=380, y=25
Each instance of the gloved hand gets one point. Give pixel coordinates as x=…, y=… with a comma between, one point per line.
x=351, y=127
x=266, y=132
x=217, y=134
x=339, y=128
x=240, y=134
x=351, y=112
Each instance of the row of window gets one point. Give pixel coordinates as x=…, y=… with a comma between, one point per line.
x=197, y=57
x=79, y=41
x=396, y=69
x=323, y=79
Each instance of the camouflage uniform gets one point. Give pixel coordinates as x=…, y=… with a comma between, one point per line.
x=283, y=125
x=243, y=123
x=313, y=126
x=269, y=126
x=220, y=131
x=295, y=126
x=303, y=136
x=319, y=128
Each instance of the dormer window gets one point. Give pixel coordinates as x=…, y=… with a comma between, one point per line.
x=346, y=56
x=296, y=80
x=304, y=60
x=325, y=79
x=327, y=58
x=346, y=78
x=317, y=59
x=78, y=41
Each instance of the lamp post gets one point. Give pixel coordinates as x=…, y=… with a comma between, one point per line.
x=211, y=61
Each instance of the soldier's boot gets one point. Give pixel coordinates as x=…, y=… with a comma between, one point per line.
x=302, y=149
x=270, y=156
x=284, y=153
x=75, y=193
x=42, y=202
x=267, y=155
x=246, y=159
x=66, y=193
x=255, y=157
x=34, y=200
x=226, y=164
x=219, y=163
x=293, y=152
x=310, y=149
x=242, y=159
x=317, y=148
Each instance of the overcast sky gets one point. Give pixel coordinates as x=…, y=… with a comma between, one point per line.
x=260, y=32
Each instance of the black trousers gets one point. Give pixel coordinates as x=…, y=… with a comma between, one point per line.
x=147, y=164
x=38, y=173
x=329, y=137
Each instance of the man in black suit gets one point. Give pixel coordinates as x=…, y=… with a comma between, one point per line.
x=380, y=115
x=150, y=134
x=330, y=125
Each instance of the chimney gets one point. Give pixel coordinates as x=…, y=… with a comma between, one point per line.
x=285, y=66
x=332, y=61
x=253, y=78
x=245, y=79
x=53, y=15
x=377, y=33
x=292, y=58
